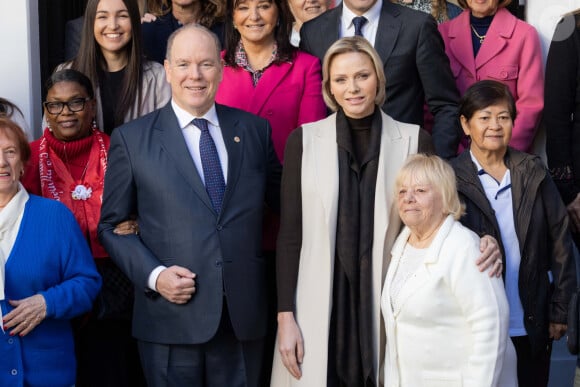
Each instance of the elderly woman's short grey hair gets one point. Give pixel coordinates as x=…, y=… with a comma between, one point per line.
x=433, y=170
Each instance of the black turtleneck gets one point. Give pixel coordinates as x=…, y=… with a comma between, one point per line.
x=481, y=25
x=360, y=132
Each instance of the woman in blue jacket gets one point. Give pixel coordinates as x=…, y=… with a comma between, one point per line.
x=47, y=276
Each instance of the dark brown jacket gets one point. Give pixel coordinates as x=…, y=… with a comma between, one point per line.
x=541, y=223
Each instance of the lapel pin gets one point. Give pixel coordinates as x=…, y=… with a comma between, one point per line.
x=237, y=139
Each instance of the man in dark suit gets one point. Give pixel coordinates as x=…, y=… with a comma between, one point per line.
x=414, y=59
x=200, y=302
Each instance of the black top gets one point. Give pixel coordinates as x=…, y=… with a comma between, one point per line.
x=481, y=25
x=110, y=87
x=156, y=33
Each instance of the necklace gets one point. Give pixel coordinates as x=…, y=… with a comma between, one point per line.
x=481, y=37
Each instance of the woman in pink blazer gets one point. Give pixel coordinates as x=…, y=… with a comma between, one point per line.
x=487, y=42
x=264, y=73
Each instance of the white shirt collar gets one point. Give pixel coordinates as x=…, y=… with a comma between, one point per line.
x=372, y=15
x=481, y=173
x=477, y=164
x=184, y=117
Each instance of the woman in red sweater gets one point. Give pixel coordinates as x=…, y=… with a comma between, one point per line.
x=68, y=164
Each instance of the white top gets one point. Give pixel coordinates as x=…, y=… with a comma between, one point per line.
x=407, y=266
x=499, y=195
x=369, y=30
x=10, y=219
x=295, y=37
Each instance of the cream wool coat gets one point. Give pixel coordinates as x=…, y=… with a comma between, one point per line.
x=319, y=217
x=450, y=328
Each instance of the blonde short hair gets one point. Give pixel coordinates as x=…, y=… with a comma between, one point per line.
x=346, y=45
x=433, y=170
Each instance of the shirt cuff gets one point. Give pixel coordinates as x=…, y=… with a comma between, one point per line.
x=152, y=281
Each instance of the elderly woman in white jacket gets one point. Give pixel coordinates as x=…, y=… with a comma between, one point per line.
x=446, y=322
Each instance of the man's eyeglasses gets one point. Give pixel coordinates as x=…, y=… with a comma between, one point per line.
x=74, y=105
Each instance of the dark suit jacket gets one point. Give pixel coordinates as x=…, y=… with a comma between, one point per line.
x=156, y=33
x=151, y=174
x=72, y=37
x=415, y=65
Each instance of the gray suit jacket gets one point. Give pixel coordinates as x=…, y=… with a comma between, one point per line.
x=415, y=64
x=152, y=175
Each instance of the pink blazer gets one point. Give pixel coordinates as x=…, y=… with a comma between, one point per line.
x=511, y=54
x=288, y=95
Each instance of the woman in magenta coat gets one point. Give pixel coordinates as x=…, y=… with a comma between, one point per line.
x=264, y=73
x=487, y=42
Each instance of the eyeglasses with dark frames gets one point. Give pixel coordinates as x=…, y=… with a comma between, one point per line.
x=74, y=105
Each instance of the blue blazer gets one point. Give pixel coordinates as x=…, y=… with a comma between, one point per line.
x=151, y=175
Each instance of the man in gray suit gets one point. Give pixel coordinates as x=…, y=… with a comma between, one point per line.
x=196, y=176
x=414, y=59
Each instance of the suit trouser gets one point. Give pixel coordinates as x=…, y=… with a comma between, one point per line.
x=223, y=361
x=533, y=370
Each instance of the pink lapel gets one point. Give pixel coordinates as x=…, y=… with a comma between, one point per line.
x=501, y=29
x=270, y=80
x=460, y=45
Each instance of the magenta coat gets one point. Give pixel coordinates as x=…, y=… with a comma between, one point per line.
x=511, y=54
x=288, y=95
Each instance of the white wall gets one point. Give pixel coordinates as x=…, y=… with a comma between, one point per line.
x=20, y=59
x=544, y=14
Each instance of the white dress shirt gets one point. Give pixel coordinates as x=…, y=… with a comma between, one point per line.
x=192, y=134
x=369, y=29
